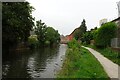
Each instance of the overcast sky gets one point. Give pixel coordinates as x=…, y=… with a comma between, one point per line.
x=66, y=15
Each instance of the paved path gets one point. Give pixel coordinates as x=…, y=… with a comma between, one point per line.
x=110, y=67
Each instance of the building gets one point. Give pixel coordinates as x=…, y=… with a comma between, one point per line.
x=71, y=36
x=102, y=21
x=118, y=4
x=117, y=21
x=115, y=42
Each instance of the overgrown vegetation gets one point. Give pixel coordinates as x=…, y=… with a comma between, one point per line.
x=80, y=63
x=87, y=37
x=73, y=44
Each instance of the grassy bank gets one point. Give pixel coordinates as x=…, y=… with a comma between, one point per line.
x=114, y=56
x=80, y=63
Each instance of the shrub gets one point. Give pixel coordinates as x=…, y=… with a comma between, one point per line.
x=73, y=44
x=47, y=42
x=105, y=33
x=33, y=42
x=87, y=37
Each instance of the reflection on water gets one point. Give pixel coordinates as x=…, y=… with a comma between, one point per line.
x=40, y=63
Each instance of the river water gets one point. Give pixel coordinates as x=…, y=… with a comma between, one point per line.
x=39, y=63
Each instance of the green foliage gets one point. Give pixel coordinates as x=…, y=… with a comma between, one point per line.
x=83, y=27
x=16, y=22
x=77, y=34
x=47, y=42
x=87, y=37
x=94, y=33
x=52, y=35
x=33, y=42
x=40, y=31
x=79, y=64
x=46, y=35
x=109, y=53
x=105, y=33
x=73, y=44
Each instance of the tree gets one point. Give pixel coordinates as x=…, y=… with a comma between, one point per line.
x=46, y=35
x=52, y=35
x=83, y=28
x=40, y=31
x=87, y=37
x=57, y=36
x=17, y=22
x=105, y=33
x=77, y=34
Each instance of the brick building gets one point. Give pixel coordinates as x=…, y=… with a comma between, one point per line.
x=71, y=36
x=115, y=42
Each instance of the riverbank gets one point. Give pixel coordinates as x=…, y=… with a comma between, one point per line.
x=80, y=63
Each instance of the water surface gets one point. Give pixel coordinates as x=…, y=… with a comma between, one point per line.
x=39, y=63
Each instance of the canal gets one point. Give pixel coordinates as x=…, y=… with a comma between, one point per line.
x=38, y=63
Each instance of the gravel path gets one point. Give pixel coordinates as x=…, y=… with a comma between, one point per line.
x=110, y=67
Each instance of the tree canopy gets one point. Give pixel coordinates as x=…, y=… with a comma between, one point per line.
x=83, y=27
x=17, y=22
x=40, y=31
x=46, y=35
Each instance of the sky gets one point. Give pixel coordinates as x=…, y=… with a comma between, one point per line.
x=66, y=15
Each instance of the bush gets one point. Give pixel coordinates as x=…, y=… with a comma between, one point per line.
x=33, y=42
x=47, y=42
x=87, y=37
x=104, y=34
x=73, y=44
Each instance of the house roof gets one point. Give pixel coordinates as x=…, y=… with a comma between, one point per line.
x=74, y=30
x=116, y=19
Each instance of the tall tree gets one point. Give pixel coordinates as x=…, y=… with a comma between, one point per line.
x=17, y=22
x=52, y=35
x=40, y=31
x=83, y=27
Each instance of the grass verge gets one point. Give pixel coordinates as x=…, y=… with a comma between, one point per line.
x=114, y=56
x=80, y=63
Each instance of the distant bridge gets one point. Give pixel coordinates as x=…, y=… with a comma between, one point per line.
x=64, y=41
